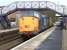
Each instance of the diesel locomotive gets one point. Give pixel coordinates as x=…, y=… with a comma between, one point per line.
x=32, y=22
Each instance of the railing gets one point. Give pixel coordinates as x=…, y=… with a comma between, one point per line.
x=33, y=5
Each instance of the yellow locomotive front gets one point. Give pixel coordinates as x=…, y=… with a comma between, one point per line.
x=28, y=24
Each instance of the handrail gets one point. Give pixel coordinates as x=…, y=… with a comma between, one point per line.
x=31, y=5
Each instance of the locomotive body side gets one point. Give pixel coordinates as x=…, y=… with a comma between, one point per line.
x=43, y=22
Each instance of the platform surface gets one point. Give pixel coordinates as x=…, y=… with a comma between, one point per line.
x=8, y=30
x=54, y=41
x=64, y=41
x=48, y=40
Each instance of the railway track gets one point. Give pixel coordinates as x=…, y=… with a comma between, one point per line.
x=10, y=39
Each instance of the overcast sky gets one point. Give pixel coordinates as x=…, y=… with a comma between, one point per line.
x=6, y=2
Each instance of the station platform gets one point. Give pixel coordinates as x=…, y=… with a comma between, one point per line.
x=50, y=39
x=8, y=30
x=64, y=41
